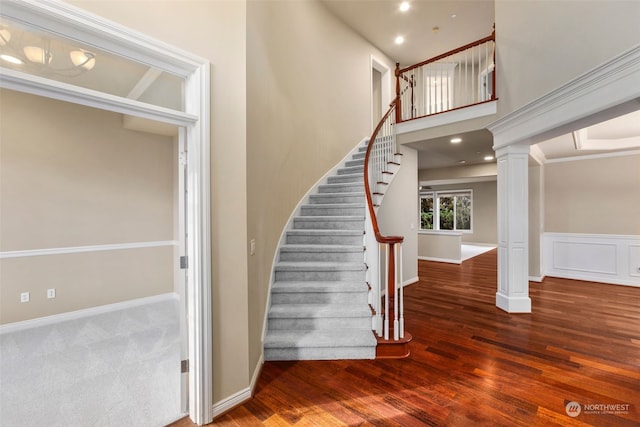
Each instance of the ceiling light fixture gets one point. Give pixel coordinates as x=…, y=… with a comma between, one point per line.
x=399, y=40
x=41, y=57
x=488, y=158
x=456, y=140
x=404, y=6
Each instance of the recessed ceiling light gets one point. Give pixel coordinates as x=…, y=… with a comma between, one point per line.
x=11, y=59
x=456, y=140
x=399, y=40
x=453, y=16
x=404, y=6
x=487, y=158
x=462, y=162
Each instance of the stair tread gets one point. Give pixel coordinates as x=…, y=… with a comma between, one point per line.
x=319, y=265
x=310, y=247
x=320, y=338
x=318, y=286
x=326, y=232
x=297, y=311
x=333, y=205
x=330, y=217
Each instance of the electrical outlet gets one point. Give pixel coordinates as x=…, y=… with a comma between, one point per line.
x=24, y=297
x=51, y=293
x=253, y=246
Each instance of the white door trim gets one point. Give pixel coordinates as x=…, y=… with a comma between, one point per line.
x=385, y=84
x=71, y=22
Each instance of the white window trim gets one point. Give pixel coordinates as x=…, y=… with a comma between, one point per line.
x=68, y=21
x=436, y=216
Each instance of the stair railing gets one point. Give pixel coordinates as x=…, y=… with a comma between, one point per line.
x=457, y=79
x=385, y=282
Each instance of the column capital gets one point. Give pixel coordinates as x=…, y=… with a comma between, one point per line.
x=513, y=150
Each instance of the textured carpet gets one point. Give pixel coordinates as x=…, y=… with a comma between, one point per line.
x=470, y=251
x=114, y=369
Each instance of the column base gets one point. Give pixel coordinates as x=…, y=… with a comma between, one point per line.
x=513, y=304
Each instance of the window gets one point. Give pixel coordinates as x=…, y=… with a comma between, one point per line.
x=446, y=210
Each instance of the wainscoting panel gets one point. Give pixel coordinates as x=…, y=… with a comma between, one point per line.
x=602, y=258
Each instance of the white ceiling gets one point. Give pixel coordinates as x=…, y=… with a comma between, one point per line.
x=380, y=21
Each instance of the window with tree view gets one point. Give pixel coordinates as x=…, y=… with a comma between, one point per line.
x=446, y=210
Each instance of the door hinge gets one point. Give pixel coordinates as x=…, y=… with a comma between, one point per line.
x=183, y=158
x=184, y=262
x=184, y=366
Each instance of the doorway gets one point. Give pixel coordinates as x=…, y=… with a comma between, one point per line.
x=96, y=33
x=380, y=90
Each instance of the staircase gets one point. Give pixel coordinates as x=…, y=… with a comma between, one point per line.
x=319, y=298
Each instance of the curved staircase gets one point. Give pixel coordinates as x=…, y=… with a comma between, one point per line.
x=319, y=298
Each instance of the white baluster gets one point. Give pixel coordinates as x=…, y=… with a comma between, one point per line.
x=401, y=297
x=386, y=298
x=396, y=326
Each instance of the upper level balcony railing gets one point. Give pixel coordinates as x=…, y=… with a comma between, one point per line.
x=460, y=78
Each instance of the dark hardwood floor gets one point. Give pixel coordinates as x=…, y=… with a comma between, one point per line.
x=472, y=364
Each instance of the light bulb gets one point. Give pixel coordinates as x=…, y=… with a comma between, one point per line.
x=82, y=58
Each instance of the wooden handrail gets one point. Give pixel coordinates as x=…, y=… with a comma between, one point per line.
x=492, y=37
x=367, y=189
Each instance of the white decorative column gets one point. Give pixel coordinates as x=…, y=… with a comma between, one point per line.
x=513, y=229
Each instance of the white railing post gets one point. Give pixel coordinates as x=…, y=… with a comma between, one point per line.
x=396, y=326
x=401, y=296
x=386, y=297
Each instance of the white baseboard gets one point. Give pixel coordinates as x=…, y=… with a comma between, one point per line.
x=604, y=258
x=538, y=279
x=225, y=405
x=240, y=397
x=410, y=281
x=447, y=260
x=87, y=312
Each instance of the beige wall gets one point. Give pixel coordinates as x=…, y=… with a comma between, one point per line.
x=73, y=176
x=399, y=215
x=215, y=30
x=577, y=200
x=459, y=172
x=308, y=105
x=536, y=214
x=440, y=246
x=544, y=44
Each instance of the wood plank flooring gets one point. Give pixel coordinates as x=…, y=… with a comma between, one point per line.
x=472, y=364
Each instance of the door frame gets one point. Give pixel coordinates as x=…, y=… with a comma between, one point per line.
x=385, y=86
x=73, y=23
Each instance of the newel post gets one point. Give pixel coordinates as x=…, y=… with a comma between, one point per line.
x=398, y=101
x=391, y=284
